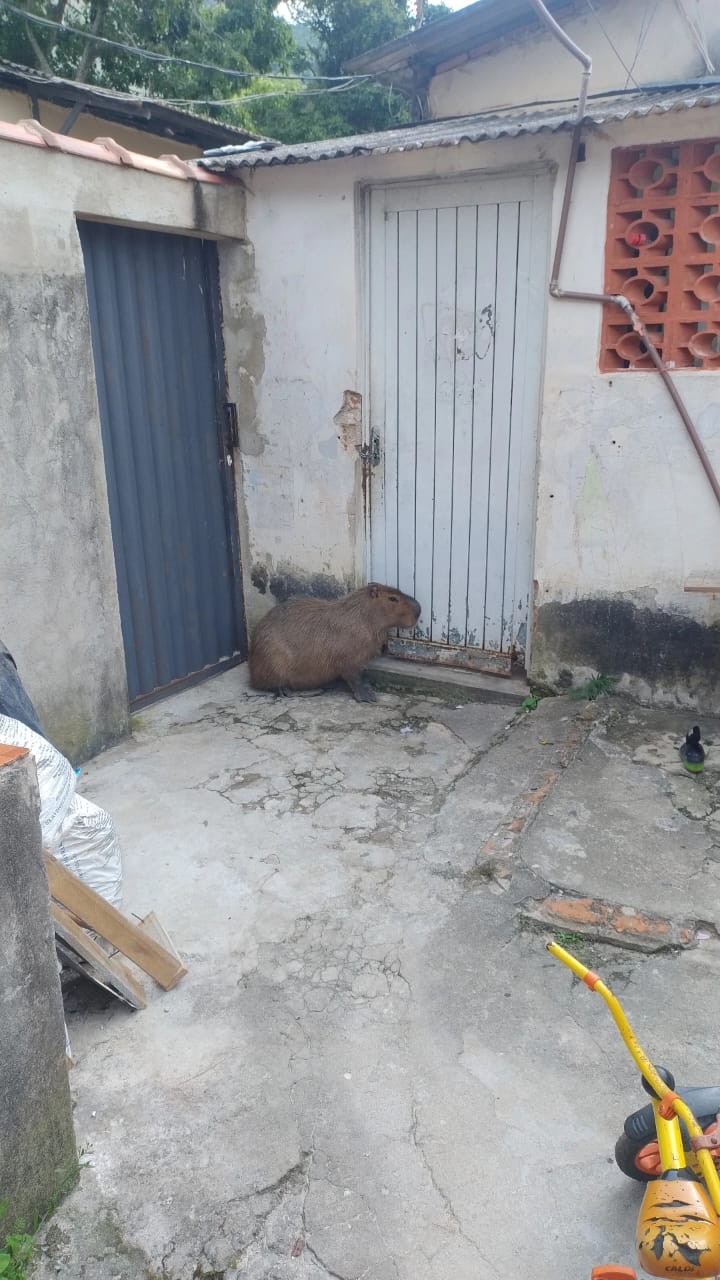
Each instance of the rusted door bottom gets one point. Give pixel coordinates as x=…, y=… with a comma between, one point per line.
x=446, y=655
x=184, y=682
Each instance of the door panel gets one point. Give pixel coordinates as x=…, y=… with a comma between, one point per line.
x=456, y=307
x=154, y=314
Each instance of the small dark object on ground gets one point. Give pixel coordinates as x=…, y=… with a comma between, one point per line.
x=310, y=643
x=692, y=751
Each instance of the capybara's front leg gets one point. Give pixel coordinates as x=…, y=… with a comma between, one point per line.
x=360, y=689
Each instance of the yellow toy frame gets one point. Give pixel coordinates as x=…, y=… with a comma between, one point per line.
x=679, y=1223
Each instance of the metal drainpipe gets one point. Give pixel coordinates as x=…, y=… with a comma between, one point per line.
x=616, y=298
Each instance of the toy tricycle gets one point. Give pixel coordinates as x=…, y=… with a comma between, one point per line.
x=671, y=1144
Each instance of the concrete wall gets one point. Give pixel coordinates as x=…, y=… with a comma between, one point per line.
x=58, y=593
x=37, y=1144
x=624, y=513
x=535, y=68
x=15, y=107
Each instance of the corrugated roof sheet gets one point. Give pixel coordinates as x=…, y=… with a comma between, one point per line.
x=478, y=128
x=128, y=108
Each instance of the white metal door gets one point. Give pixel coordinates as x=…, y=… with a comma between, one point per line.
x=457, y=281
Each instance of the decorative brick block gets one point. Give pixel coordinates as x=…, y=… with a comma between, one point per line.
x=663, y=253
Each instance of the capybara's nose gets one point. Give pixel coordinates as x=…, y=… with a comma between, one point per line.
x=418, y=610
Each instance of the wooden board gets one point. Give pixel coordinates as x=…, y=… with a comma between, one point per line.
x=107, y=971
x=103, y=918
x=153, y=928
x=707, y=584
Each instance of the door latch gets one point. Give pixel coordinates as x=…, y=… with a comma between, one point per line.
x=370, y=452
x=232, y=434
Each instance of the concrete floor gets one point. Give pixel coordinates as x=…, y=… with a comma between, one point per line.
x=372, y=1068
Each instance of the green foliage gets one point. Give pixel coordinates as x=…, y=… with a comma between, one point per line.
x=529, y=703
x=16, y=1250
x=305, y=117
x=566, y=938
x=17, y=1246
x=244, y=35
x=593, y=688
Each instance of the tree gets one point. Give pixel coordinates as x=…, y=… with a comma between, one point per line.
x=341, y=30
x=244, y=35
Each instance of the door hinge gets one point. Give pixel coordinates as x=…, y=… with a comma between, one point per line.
x=370, y=452
x=232, y=435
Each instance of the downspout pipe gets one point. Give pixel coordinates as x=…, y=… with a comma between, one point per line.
x=616, y=299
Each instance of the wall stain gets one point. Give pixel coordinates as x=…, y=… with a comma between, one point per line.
x=259, y=577
x=286, y=583
x=614, y=636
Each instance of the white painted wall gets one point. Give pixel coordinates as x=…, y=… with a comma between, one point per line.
x=59, y=611
x=536, y=68
x=623, y=505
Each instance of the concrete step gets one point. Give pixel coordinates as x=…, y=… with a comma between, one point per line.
x=446, y=682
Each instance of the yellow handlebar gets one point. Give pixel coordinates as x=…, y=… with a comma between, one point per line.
x=645, y=1066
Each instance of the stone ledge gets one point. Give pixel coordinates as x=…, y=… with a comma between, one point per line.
x=430, y=678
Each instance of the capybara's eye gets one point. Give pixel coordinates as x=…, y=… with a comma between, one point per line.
x=394, y=599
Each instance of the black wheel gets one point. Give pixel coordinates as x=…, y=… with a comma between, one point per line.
x=625, y=1153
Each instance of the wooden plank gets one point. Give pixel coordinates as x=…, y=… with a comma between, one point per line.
x=111, y=972
x=97, y=914
x=407, y=359
x=447, y=655
x=445, y=418
x=9, y=754
x=425, y=415
x=390, y=400
x=508, y=227
x=706, y=584
x=515, y=580
x=465, y=321
x=153, y=928
x=376, y=408
x=484, y=345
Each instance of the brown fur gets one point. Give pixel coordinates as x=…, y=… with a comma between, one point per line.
x=308, y=643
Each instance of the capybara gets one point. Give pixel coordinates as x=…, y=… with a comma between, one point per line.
x=309, y=643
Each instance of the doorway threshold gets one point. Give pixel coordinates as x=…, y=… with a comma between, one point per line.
x=446, y=682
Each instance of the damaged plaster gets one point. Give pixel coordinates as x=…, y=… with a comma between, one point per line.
x=659, y=654
x=348, y=421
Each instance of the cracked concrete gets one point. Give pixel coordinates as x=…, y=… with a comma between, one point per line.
x=371, y=1070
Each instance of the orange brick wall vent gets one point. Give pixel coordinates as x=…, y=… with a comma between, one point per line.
x=663, y=254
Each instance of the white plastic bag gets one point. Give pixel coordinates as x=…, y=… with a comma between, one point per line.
x=89, y=847
x=55, y=774
x=74, y=830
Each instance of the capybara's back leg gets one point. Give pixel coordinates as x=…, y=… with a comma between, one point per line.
x=360, y=689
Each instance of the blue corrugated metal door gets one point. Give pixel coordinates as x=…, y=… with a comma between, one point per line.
x=155, y=323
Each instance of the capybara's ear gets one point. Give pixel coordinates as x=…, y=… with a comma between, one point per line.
x=373, y=590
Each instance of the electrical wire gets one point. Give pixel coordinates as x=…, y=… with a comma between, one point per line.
x=254, y=97
x=644, y=29
x=519, y=106
x=166, y=58
x=614, y=48
x=698, y=33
